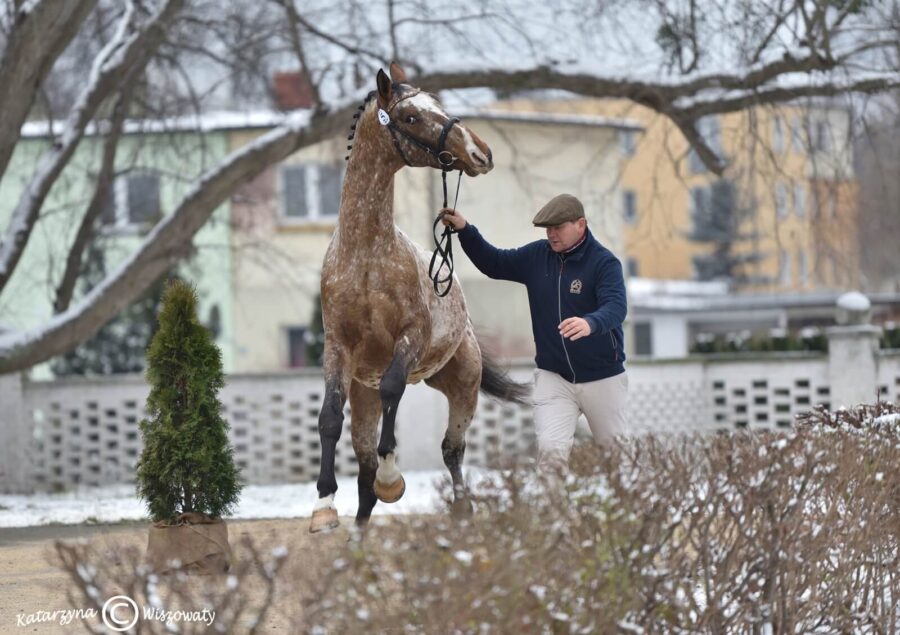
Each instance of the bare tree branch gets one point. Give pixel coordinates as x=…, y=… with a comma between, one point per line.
x=169, y=242
x=796, y=50
x=36, y=40
x=743, y=91
x=297, y=45
x=125, y=51
x=353, y=50
x=102, y=188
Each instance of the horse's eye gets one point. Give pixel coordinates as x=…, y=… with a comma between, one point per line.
x=411, y=120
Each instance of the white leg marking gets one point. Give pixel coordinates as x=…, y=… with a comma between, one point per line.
x=388, y=473
x=325, y=503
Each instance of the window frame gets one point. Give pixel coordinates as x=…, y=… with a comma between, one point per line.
x=628, y=142
x=312, y=190
x=121, y=221
x=290, y=332
x=781, y=196
x=631, y=194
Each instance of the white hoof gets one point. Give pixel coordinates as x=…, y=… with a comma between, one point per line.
x=389, y=485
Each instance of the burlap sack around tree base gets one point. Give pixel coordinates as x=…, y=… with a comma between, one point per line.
x=194, y=542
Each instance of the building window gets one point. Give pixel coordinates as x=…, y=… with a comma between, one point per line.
x=708, y=127
x=643, y=338
x=214, y=323
x=797, y=134
x=632, y=267
x=133, y=200
x=310, y=192
x=800, y=199
x=820, y=138
x=296, y=344
x=629, y=206
x=784, y=269
x=777, y=135
x=802, y=271
x=700, y=203
x=627, y=142
x=781, y=196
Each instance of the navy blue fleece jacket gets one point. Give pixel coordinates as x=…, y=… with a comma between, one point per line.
x=587, y=282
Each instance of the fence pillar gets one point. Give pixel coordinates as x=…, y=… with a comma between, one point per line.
x=14, y=435
x=852, y=353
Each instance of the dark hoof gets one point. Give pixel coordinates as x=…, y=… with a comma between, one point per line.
x=324, y=520
x=390, y=493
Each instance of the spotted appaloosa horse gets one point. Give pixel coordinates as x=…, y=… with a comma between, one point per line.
x=385, y=327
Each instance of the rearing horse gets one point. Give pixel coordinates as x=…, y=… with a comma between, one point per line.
x=385, y=327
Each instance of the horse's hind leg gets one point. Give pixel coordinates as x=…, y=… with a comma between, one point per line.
x=389, y=484
x=365, y=405
x=331, y=421
x=459, y=380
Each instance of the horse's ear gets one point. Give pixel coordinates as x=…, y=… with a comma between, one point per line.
x=398, y=75
x=385, y=91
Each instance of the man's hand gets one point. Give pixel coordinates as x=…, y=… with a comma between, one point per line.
x=574, y=328
x=452, y=217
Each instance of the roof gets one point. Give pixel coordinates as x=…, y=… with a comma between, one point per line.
x=684, y=296
x=208, y=122
x=548, y=118
x=229, y=120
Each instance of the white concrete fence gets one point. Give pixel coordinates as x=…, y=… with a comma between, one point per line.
x=60, y=434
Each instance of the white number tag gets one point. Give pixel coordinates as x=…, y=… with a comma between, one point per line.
x=383, y=118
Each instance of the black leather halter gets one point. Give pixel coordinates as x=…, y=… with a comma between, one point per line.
x=443, y=245
x=443, y=157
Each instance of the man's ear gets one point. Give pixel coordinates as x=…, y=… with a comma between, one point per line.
x=385, y=90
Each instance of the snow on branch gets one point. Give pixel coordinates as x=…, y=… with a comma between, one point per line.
x=34, y=39
x=687, y=100
x=127, y=50
x=168, y=242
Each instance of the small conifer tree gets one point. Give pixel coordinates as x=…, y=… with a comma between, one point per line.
x=187, y=464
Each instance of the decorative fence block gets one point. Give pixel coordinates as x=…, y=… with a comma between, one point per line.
x=85, y=431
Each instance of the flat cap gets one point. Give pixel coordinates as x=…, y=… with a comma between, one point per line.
x=560, y=209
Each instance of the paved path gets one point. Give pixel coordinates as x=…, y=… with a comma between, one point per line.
x=30, y=581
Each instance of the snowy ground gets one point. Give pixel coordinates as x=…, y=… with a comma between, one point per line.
x=117, y=503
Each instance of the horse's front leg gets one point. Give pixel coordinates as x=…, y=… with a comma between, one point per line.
x=389, y=484
x=331, y=422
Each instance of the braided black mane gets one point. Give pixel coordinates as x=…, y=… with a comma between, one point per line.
x=356, y=116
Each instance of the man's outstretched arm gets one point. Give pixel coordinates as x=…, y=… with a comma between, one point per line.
x=500, y=264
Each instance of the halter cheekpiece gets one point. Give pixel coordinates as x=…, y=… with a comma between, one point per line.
x=443, y=244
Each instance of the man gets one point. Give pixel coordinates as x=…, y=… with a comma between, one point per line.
x=576, y=293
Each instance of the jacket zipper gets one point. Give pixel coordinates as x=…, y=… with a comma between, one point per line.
x=615, y=345
x=559, y=306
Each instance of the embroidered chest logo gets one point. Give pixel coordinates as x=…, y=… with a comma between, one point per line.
x=575, y=287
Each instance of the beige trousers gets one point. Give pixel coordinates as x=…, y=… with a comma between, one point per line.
x=558, y=403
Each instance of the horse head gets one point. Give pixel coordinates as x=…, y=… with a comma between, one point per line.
x=423, y=134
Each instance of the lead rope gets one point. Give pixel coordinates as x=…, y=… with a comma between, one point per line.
x=443, y=245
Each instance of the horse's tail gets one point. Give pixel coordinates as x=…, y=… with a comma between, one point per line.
x=496, y=382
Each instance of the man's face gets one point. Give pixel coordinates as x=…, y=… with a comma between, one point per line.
x=564, y=236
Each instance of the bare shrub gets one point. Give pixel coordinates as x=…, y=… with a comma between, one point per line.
x=790, y=531
x=235, y=603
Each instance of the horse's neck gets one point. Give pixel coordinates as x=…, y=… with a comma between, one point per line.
x=366, y=216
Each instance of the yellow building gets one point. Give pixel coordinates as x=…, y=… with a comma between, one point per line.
x=789, y=179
